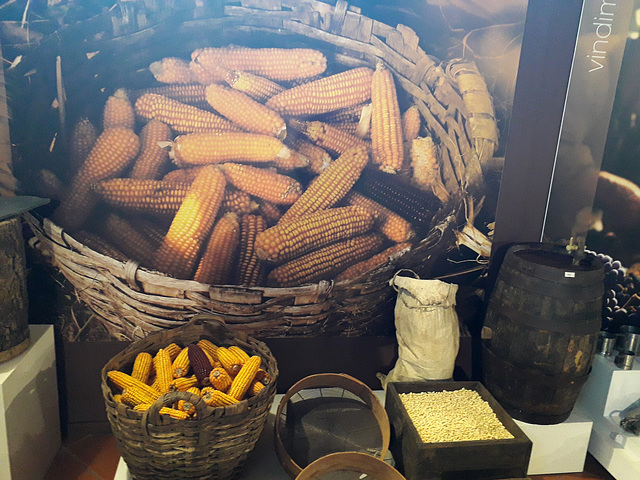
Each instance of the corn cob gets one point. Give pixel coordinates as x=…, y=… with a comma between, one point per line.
x=270, y=186
x=142, y=196
x=127, y=238
x=187, y=407
x=243, y=379
x=344, y=115
x=364, y=266
x=97, y=243
x=195, y=391
x=257, y=87
x=209, y=348
x=152, y=161
x=49, y=185
x=216, y=398
x=200, y=364
x=327, y=94
x=114, y=150
x=164, y=372
x=263, y=376
x=206, y=148
x=174, y=350
x=255, y=388
x=192, y=223
x=250, y=269
x=229, y=360
x=386, y=122
x=318, y=158
x=411, y=123
x=244, y=111
x=172, y=412
x=237, y=201
x=179, y=116
x=172, y=70
x=118, y=111
x=302, y=234
x=351, y=128
x=331, y=185
x=191, y=94
x=220, y=379
x=325, y=262
x=117, y=397
x=426, y=168
x=330, y=138
x=241, y=354
x=270, y=212
x=134, y=389
x=142, y=367
x=278, y=64
x=219, y=256
x=155, y=232
x=390, y=224
x=183, y=384
x=292, y=162
x=180, y=366
x=83, y=138
x=182, y=175
x=207, y=74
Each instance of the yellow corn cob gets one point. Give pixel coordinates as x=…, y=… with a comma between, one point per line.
x=270, y=186
x=279, y=64
x=245, y=376
x=142, y=196
x=49, y=185
x=152, y=161
x=191, y=94
x=327, y=94
x=142, y=367
x=302, y=234
x=386, y=122
x=330, y=138
x=187, y=407
x=241, y=354
x=172, y=412
x=244, y=111
x=155, y=232
x=134, y=389
x=83, y=138
x=206, y=148
x=255, y=388
x=180, y=365
x=325, y=262
x=426, y=167
x=117, y=397
x=182, y=175
x=164, y=372
x=270, y=212
x=209, y=348
x=250, y=269
x=112, y=153
x=179, y=116
x=354, y=271
x=263, y=376
x=219, y=256
x=216, y=398
x=229, y=360
x=97, y=243
x=178, y=254
x=237, y=201
x=331, y=185
x=389, y=223
x=351, y=128
x=174, y=350
x=127, y=238
x=118, y=111
x=293, y=161
x=183, y=384
x=318, y=158
x=411, y=123
x=172, y=70
x=220, y=379
x=257, y=87
x=195, y=391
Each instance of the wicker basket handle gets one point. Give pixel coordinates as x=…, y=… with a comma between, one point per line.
x=152, y=416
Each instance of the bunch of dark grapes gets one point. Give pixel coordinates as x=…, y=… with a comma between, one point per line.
x=621, y=305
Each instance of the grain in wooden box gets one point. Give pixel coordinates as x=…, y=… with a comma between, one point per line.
x=478, y=459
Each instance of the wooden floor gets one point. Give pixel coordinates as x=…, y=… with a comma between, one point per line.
x=96, y=457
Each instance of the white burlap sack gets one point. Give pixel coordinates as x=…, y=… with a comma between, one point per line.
x=426, y=328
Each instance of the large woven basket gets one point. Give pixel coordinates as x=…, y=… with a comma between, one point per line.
x=216, y=442
x=115, y=50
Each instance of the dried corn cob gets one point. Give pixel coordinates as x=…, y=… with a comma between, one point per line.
x=206, y=148
x=179, y=116
x=390, y=224
x=293, y=161
x=191, y=94
x=302, y=234
x=127, y=238
x=255, y=388
x=327, y=94
x=153, y=231
x=207, y=74
x=172, y=412
x=97, y=243
x=152, y=161
x=250, y=269
x=274, y=63
x=318, y=158
x=200, y=364
x=187, y=407
x=244, y=111
x=257, y=87
x=114, y=150
x=49, y=185
x=229, y=360
x=216, y=398
x=411, y=123
x=220, y=379
x=243, y=379
x=182, y=175
x=350, y=128
x=325, y=262
x=263, y=376
x=377, y=260
x=172, y=70
x=270, y=212
x=164, y=372
x=331, y=185
x=237, y=201
x=174, y=350
x=180, y=366
x=241, y=354
x=178, y=254
x=134, y=389
x=330, y=138
x=386, y=122
x=195, y=391
x=142, y=367
x=219, y=255
x=142, y=196
x=183, y=384
x=344, y=115
x=118, y=111
x=209, y=348
x=270, y=186
x=426, y=168
x=83, y=138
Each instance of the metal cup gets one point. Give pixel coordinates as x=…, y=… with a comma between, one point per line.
x=606, y=343
x=624, y=360
x=629, y=339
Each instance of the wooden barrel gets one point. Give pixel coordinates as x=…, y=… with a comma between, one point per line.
x=14, y=315
x=541, y=331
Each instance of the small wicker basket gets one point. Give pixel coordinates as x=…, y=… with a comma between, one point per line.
x=133, y=301
x=216, y=442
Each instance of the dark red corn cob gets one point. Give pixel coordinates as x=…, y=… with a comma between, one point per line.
x=200, y=364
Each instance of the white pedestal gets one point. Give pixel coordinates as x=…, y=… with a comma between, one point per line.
x=608, y=391
x=29, y=414
x=560, y=448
